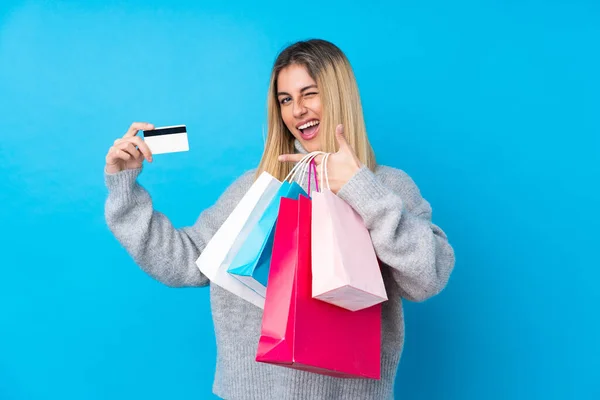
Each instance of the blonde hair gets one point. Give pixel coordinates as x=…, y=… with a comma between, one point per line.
x=340, y=104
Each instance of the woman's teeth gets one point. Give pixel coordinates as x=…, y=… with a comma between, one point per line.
x=308, y=125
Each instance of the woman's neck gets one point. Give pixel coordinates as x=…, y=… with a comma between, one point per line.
x=299, y=147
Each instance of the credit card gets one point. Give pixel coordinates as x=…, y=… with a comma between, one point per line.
x=167, y=139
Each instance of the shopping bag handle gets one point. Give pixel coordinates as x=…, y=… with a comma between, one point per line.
x=313, y=170
x=307, y=165
x=302, y=166
x=324, y=174
x=292, y=175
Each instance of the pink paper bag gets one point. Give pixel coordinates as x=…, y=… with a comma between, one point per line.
x=345, y=268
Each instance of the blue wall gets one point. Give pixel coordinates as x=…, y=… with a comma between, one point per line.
x=492, y=107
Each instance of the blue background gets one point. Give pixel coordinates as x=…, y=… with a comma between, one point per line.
x=492, y=107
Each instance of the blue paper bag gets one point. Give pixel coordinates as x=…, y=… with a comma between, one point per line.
x=251, y=263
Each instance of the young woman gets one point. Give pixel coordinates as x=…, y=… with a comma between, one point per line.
x=313, y=105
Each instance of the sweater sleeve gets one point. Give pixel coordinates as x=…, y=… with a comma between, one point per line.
x=165, y=253
x=404, y=238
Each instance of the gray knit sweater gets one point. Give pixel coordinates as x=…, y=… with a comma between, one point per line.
x=416, y=257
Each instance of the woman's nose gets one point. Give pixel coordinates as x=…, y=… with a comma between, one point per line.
x=299, y=109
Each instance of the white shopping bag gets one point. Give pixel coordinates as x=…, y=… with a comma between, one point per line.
x=221, y=249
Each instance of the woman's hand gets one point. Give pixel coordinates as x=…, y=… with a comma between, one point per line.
x=341, y=166
x=129, y=151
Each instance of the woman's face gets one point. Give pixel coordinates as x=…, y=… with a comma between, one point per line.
x=300, y=105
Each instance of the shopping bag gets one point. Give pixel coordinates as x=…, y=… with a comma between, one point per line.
x=308, y=334
x=214, y=260
x=345, y=268
x=250, y=264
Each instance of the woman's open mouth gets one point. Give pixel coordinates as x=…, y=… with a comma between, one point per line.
x=309, y=129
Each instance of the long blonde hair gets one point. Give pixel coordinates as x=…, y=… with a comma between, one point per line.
x=340, y=104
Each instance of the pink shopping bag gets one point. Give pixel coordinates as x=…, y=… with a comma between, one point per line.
x=345, y=268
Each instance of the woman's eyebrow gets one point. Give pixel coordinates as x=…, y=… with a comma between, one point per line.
x=308, y=87
x=301, y=90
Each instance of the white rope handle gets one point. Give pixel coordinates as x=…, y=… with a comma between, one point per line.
x=324, y=174
x=298, y=165
x=304, y=165
x=306, y=170
x=294, y=170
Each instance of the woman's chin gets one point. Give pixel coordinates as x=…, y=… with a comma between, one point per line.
x=311, y=145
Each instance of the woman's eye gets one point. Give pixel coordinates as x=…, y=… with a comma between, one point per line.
x=310, y=94
x=284, y=100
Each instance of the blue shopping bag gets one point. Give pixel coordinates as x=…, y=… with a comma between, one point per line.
x=251, y=263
